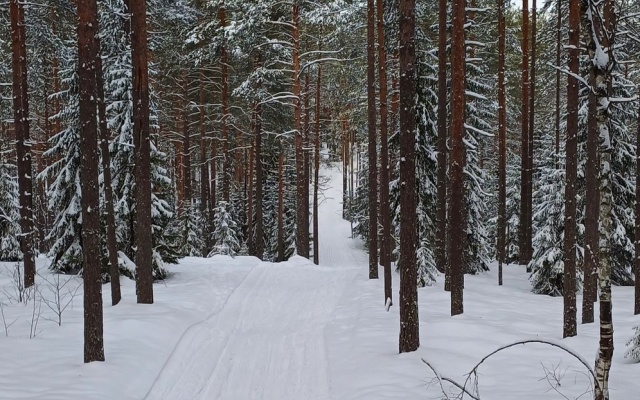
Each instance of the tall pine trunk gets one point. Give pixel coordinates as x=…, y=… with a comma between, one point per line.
x=112, y=245
x=316, y=170
x=224, y=74
x=91, y=254
x=23, y=146
x=502, y=139
x=558, y=54
x=524, y=170
x=142, y=145
x=569, y=281
x=204, y=173
x=186, y=144
x=457, y=161
x=409, y=319
x=441, y=212
x=385, y=212
x=371, y=128
x=302, y=214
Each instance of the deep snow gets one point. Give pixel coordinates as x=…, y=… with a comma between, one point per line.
x=239, y=329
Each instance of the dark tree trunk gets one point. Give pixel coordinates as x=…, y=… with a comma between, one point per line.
x=204, y=173
x=524, y=171
x=637, y=260
x=441, y=213
x=385, y=212
x=91, y=254
x=592, y=211
x=306, y=153
x=23, y=141
x=409, y=319
x=259, y=237
x=502, y=138
x=569, y=282
x=302, y=214
x=112, y=246
x=186, y=144
x=457, y=221
x=226, y=166
x=280, y=208
x=250, y=224
x=316, y=162
x=531, y=131
x=142, y=144
x=558, y=53
x=371, y=123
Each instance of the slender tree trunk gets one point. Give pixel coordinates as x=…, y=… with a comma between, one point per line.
x=409, y=319
x=441, y=242
x=457, y=160
x=259, y=186
x=280, y=208
x=385, y=212
x=306, y=154
x=524, y=172
x=226, y=166
x=502, y=138
x=637, y=260
x=558, y=53
x=186, y=144
x=23, y=141
x=250, y=229
x=316, y=170
x=204, y=173
x=569, y=282
x=531, y=131
x=112, y=246
x=302, y=214
x=346, y=199
x=592, y=211
x=142, y=145
x=87, y=54
x=371, y=123
x=602, y=41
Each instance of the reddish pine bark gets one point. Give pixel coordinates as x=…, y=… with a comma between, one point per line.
x=441, y=212
x=21, y=129
x=409, y=319
x=224, y=73
x=142, y=145
x=186, y=143
x=112, y=246
x=91, y=254
x=525, y=244
x=457, y=159
x=385, y=212
x=371, y=123
x=316, y=163
x=204, y=171
x=502, y=139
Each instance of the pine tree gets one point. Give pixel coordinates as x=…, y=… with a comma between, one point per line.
x=633, y=345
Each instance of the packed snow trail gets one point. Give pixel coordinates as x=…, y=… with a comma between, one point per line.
x=267, y=342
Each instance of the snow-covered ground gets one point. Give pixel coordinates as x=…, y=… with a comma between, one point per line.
x=239, y=329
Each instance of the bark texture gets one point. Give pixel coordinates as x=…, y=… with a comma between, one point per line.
x=371, y=127
x=457, y=160
x=409, y=320
x=142, y=145
x=91, y=254
x=23, y=141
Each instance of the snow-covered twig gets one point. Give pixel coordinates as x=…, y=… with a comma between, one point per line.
x=441, y=379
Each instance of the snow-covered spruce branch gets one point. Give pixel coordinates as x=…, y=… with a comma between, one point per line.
x=474, y=370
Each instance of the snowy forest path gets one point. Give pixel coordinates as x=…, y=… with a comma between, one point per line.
x=268, y=340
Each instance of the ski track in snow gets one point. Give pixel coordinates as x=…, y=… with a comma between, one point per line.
x=267, y=342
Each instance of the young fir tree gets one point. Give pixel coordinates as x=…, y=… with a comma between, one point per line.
x=633, y=345
x=64, y=171
x=224, y=235
x=9, y=216
x=190, y=223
